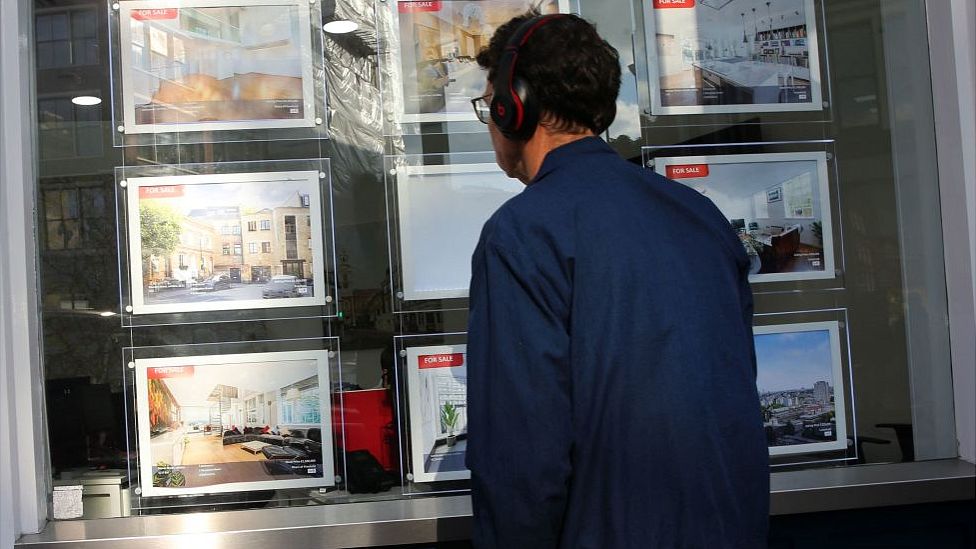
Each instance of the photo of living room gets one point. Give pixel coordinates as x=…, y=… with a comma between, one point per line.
x=438, y=388
x=193, y=65
x=718, y=56
x=778, y=204
x=439, y=43
x=234, y=422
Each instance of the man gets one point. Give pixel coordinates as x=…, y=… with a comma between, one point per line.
x=611, y=390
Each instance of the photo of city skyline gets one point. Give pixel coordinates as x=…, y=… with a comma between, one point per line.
x=232, y=241
x=800, y=387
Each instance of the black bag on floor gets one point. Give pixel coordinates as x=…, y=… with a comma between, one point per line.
x=365, y=474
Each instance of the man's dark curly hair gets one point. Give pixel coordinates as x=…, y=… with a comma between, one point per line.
x=574, y=74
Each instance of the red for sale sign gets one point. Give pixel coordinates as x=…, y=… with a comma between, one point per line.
x=665, y=4
x=685, y=171
x=154, y=14
x=444, y=360
x=163, y=372
x=161, y=191
x=415, y=6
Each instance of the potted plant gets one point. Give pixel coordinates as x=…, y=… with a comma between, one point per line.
x=449, y=419
x=817, y=229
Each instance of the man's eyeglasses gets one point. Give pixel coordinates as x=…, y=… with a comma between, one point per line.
x=482, y=108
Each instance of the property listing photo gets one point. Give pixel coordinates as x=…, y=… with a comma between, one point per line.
x=439, y=42
x=230, y=241
x=226, y=423
x=719, y=56
x=440, y=211
x=193, y=65
x=801, y=387
x=437, y=378
x=778, y=204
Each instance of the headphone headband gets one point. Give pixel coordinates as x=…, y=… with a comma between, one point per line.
x=512, y=105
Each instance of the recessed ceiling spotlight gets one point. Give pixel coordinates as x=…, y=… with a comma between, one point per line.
x=86, y=100
x=340, y=27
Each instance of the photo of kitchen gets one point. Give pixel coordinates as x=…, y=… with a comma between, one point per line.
x=438, y=389
x=229, y=241
x=778, y=204
x=193, y=65
x=439, y=42
x=234, y=422
x=722, y=56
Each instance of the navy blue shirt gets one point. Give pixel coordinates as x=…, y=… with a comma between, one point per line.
x=611, y=371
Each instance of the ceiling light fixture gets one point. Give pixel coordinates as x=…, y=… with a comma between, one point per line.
x=341, y=26
x=106, y=313
x=86, y=100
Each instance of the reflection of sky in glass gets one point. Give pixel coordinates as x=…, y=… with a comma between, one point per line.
x=793, y=360
x=248, y=196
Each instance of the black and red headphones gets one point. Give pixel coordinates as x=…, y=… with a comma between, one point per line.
x=513, y=108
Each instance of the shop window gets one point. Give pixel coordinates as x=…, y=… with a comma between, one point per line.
x=67, y=38
x=74, y=217
x=66, y=130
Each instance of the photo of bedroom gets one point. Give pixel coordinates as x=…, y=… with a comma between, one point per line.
x=215, y=67
x=439, y=42
x=778, y=204
x=438, y=388
x=234, y=422
x=718, y=56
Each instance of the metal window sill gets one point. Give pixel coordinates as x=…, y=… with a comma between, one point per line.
x=431, y=519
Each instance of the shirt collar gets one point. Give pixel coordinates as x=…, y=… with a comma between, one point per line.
x=561, y=154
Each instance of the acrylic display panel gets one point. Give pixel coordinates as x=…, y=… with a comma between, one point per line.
x=243, y=68
x=434, y=74
x=275, y=206
x=441, y=210
x=192, y=413
x=778, y=203
x=732, y=57
x=801, y=387
x=437, y=389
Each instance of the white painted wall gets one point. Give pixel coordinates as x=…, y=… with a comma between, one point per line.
x=964, y=47
x=23, y=451
x=952, y=32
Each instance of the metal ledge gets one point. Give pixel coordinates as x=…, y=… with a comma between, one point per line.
x=426, y=520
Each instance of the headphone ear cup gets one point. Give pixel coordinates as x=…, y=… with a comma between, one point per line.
x=527, y=104
x=503, y=112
